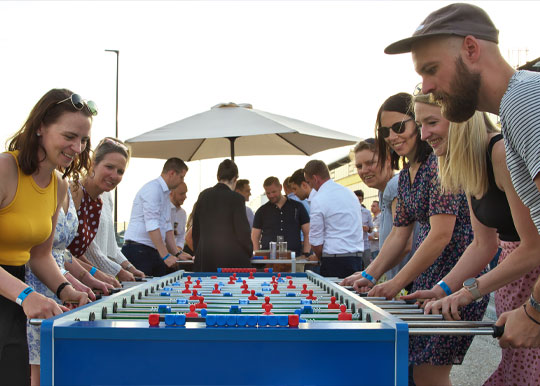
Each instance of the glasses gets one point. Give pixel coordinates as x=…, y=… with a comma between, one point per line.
x=115, y=143
x=417, y=90
x=79, y=103
x=398, y=128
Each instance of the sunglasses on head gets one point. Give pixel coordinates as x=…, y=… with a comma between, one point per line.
x=114, y=142
x=79, y=103
x=398, y=128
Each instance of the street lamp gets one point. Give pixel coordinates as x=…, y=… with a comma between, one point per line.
x=117, y=52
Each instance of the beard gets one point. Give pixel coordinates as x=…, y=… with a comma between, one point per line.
x=463, y=102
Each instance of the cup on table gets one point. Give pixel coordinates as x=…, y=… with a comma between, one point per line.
x=282, y=250
x=273, y=249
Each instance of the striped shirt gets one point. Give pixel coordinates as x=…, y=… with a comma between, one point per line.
x=520, y=121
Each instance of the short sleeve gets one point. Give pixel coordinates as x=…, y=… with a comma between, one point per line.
x=303, y=214
x=257, y=220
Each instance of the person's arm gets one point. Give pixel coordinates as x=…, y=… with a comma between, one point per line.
x=155, y=236
x=104, y=277
x=439, y=236
x=389, y=256
x=256, y=238
x=241, y=225
x=306, y=246
x=95, y=255
x=79, y=273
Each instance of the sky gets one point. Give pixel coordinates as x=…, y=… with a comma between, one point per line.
x=317, y=61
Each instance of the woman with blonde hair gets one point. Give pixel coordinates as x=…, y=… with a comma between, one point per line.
x=474, y=161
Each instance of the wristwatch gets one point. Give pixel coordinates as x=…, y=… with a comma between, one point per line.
x=471, y=284
x=177, y=253
x=534, y=303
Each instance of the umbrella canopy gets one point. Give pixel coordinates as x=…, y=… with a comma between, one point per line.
x=229, y=129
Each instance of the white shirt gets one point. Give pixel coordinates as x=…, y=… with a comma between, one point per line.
x=151, y=210
x=178, y=222
x=335, y=220
x=310, y=197
x=104, y=252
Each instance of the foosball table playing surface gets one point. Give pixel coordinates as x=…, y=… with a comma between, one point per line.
x=240, y=328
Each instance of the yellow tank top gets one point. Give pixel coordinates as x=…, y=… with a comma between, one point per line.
x=27, y=220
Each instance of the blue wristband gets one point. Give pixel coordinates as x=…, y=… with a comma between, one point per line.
x=27, y=291
x=445, y=288
x=93, y=271
x=166, y=256
x=369, y=277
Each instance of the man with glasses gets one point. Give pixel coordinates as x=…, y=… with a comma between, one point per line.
x=455, y=50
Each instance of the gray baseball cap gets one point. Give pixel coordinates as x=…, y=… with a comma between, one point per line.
x=455, y=19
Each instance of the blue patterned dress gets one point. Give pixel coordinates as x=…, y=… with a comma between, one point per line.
x=418, y=201
x=65, y=231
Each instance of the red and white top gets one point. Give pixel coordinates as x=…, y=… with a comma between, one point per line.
x=89, y=213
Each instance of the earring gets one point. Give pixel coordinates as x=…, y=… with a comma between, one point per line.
x=93, y=174
x=38, y=134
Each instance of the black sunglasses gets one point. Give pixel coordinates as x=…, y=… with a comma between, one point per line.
x=398, y=128
x=79, y=103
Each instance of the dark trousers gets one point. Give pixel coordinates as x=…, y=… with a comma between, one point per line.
x=144, y=258
x=341, y=266
x=14, y=365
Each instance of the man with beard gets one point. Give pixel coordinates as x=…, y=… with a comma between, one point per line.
x=455, y=51
x=281, y=216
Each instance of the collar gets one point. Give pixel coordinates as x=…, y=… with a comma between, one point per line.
x=163, y=184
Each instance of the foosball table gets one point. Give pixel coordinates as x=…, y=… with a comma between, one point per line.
x=237, y=328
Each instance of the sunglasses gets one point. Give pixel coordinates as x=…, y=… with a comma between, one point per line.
x=79, y=103
x=115, y=143
x=398, y=128
x=418, y=89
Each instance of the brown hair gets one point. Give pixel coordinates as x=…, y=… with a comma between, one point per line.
x=46, y=112
x=175, y=164
x=271, y=181
x=317, y=168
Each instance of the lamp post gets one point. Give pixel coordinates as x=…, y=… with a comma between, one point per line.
x=117, y=52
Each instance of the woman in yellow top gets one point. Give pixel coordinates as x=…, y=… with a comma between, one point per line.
x=55, y=134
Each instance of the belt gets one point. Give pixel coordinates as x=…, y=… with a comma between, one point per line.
x=347, y=254
x=131, y=242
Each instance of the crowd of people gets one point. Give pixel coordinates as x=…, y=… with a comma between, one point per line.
x=465, y=191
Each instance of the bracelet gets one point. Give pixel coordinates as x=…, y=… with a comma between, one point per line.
x=178, y=253
x=129, y=267
x=93, y=271
x=530, y=317
x=27, y=291
x=445, y=288
x=60, y=288
x=534, y=304
x=369, y=277
x=64, y=271
x=166, y=256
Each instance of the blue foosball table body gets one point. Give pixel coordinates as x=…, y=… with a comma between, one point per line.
x=96, y=345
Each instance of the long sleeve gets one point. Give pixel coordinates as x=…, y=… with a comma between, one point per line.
x=98, y=258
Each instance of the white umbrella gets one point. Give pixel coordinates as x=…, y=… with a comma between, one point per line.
x=229, y=129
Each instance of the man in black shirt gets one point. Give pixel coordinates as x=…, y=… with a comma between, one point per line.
x=280, y=216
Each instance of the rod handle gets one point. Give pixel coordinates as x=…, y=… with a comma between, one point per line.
x=498, y=331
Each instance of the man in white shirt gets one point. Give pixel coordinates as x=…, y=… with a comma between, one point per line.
x=149, y=240
x=335, y=233
x=242, y=187
x=179, y=217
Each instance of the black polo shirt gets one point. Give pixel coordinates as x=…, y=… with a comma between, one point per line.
x=286, y=222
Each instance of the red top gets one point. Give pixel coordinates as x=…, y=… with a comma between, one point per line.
x=89, y=213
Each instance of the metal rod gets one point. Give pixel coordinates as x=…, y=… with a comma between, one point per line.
x=451, y=331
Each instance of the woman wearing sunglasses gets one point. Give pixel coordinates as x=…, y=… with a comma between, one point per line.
x=55, y=134
x=445, y=232
x=108, y=166
x=472, y=157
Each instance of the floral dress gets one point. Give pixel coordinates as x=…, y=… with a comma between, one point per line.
x=64, y=233
x=418, y=201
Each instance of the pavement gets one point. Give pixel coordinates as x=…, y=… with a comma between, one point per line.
x=481, y=359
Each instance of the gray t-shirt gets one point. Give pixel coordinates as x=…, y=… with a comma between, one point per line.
x=385, y=202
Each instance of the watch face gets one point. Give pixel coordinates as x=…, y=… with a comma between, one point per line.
x=469, y=282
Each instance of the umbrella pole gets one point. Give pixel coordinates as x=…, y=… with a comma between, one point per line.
x=232, y=139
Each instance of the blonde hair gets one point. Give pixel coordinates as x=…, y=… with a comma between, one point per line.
x=464, y=166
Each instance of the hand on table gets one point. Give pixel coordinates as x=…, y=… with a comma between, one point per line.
x=449, y=306
x=170, y=261
x=38, y=306
x=80, y=286
x=71, y=296
x=362, y=285
x=519, y=330
x=124, y=275
x=349, y=280
x=185, y=257
x=387, y=290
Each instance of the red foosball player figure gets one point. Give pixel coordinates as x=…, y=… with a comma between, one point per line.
x=333, y=305
x=267, y=309
x=192, y=313
x=187, y=290
x=201, y=303
x=304, y=290
x=344, y=315
x=216, y=289
x=291, y=285
x=252, y=296
x=275, y=290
